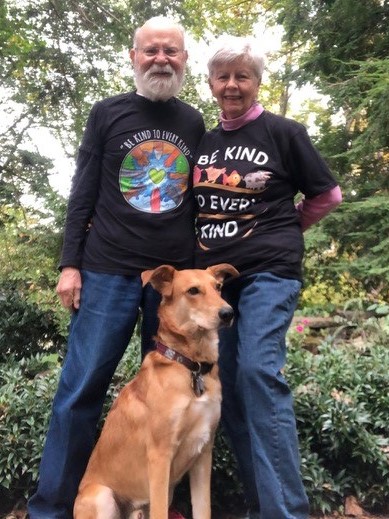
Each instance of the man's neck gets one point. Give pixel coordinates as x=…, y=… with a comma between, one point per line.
x=152, y=100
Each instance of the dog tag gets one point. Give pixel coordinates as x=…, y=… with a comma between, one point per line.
x=197, y=383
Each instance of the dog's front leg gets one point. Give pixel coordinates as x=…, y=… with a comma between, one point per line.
x=200, y=485
x=159, y=478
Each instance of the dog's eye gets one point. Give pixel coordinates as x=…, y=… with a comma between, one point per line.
x=193, y=291
x=219, y=287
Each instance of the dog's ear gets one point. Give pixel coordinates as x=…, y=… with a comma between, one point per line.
x=145, y=276
x=221, y=271
x=160, y=279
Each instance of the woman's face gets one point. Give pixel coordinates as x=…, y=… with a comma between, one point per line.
x=235, y=87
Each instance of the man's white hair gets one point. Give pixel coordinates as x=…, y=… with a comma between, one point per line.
x=160, y=22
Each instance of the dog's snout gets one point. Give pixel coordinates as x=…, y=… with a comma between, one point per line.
x=226, y=314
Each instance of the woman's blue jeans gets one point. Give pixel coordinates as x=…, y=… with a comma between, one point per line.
x=99, y=334
x=257, y=407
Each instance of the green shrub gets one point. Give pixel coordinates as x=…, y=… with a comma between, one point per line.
x=25, y=328
x=341, y=403
x=227, y=491
x=27, y=389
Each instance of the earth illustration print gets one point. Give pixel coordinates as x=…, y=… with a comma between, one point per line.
x=154, y=176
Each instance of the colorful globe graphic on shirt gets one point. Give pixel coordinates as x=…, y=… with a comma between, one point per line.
x=154, y=176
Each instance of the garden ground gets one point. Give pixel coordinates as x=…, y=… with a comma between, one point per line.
x=18, y=511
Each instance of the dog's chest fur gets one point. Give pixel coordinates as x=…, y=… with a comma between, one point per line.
x=204, y=416
x=195, y=426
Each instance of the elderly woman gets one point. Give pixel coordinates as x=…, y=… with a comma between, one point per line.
x=248, y=171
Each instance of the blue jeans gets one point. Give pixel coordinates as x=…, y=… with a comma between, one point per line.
x=99, y=334
x=257, y=406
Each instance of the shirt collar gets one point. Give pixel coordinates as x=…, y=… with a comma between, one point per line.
x=252, y=113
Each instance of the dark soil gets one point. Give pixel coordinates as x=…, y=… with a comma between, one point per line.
x=18, y=511
x=12, y=510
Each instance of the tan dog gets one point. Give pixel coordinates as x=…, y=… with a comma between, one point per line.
x=163, y=422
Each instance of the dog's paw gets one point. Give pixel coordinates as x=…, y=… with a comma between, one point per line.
x=138, y=514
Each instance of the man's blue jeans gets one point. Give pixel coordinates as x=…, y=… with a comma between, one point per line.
x=257, y=407
x=99, y=334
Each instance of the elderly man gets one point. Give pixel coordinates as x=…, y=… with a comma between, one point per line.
x=129, y=210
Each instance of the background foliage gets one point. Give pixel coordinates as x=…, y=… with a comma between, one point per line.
x=341, y=403
x=57, y=58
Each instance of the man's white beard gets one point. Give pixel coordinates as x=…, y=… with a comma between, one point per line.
x=157, y=88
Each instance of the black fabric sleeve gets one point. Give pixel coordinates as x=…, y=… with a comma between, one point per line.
x=83, y=195
x=310, y=172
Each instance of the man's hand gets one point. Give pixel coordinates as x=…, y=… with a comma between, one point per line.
x=69, y=287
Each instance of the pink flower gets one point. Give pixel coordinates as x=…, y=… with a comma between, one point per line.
x=300, y=328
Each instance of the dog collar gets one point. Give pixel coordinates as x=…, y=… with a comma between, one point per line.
x=197, y=368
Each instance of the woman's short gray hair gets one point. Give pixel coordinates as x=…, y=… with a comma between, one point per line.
x=230, y=48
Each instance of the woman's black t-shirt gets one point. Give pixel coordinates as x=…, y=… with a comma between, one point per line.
x=245, y=181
